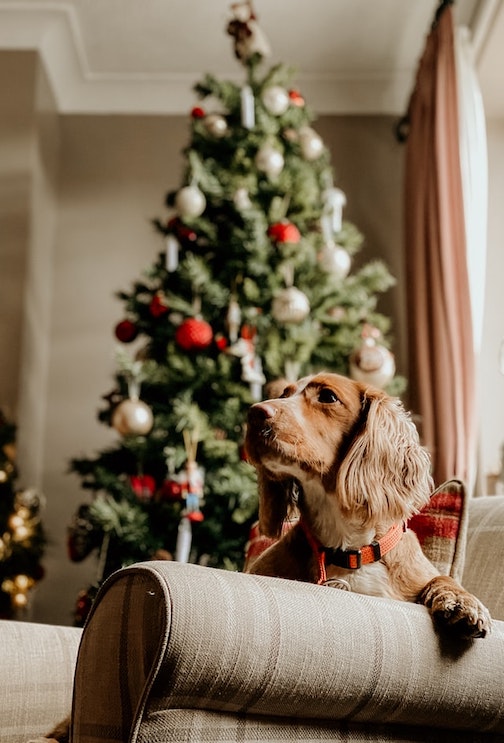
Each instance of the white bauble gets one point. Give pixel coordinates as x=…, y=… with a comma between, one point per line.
x=311, y=143
x=132, y=417
x=269, y=160
x=216, y=125
x=241, y=199
x=291, y=305
x=190, y=202
x=373, y=364
x=275, y=100
x=335, y=260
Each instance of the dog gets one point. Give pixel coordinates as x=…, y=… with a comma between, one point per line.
x=346, y=458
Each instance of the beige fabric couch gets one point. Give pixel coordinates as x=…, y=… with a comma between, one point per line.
x=177, y=652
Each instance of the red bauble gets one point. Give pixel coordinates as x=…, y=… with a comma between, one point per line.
x=143, y=486
x=284, y=232
x=171, y=490
x=296, y=98
x=198, y=112
x=158, y=306
x=181, y=231
x=194, y=334
x=126, y=331
x=221, y=342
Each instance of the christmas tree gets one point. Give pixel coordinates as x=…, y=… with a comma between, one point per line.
x=22, y=536
x=254, y=284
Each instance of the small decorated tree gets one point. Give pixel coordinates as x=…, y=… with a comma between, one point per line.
x=22, y=536
x=254, y=283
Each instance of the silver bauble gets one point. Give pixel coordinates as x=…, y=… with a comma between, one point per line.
x=311, y=143
x=275, y=100
x=291, y=305
x=190, y=202
x=269, y=160
x=373, y=364
x=216, y=125
x=132, y=417
x=335, y=260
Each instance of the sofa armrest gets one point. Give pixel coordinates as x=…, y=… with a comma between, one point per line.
x=37, y=663
x=484, y=559
x=164, y=636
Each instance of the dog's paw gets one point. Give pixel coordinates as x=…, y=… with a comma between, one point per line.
x=454, y=610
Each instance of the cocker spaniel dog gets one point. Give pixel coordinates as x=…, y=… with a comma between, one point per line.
x=347, y=458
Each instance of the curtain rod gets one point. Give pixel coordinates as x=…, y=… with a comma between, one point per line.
x=401, y=129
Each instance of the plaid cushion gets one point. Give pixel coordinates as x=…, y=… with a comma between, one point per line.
x=441, y=529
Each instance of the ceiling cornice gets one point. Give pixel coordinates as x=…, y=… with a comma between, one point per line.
x=52, y=29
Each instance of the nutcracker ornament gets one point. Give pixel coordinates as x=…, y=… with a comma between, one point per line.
x=192, y=490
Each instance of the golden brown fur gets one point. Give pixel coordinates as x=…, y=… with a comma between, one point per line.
x=348, y=458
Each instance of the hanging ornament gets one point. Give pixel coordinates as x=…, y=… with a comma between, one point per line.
x=275, y=100
x=185, y=234
x=216, y=125
x=126, y=331
x=194, y=334
x=290, y=135
x=158, y=305
x=311, y=143
x=247, y=104
x=197, y=112
x=269, y=160
x=296, y=98
x=249, y=39
x=143, y=486
x=81, y=535
x=241, y=199
x=233, y=319
x=372, y=362
x=132, y=417
x=335, y=260
x=171, y=489
x=290, y=305
x=190, y=202
x=284, y=232
x=334, y=201
x=172, y=253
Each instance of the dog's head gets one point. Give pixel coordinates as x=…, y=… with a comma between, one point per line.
x=350, y=440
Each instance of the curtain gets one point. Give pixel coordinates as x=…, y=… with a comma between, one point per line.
x=440, y=331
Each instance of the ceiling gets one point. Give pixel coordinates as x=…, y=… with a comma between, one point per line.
x=143, y=56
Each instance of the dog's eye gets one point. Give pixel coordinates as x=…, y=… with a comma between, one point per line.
x=326, y=395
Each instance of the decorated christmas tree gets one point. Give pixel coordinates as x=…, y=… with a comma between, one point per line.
x=22, y=536
x=254, y=284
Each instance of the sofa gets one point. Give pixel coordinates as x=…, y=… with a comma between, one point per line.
x=177, y=652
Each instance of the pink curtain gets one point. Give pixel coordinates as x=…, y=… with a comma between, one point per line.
x=441, y=355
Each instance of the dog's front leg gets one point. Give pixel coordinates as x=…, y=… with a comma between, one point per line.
x=454, y=609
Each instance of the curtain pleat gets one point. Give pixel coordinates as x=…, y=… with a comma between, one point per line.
x=440, y=337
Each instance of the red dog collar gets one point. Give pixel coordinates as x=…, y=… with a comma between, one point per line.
x=353, y=559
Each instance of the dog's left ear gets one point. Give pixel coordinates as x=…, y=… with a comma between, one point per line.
x=386, y=472
x=274, y=502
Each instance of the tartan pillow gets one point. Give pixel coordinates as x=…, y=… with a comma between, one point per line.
x=441, y=528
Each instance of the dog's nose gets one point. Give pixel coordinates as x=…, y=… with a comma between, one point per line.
x=261, y=411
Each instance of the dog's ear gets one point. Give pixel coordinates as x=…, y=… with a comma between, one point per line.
x=273, y=504
x=386, y=472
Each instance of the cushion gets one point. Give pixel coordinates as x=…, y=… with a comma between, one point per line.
x=441, y=528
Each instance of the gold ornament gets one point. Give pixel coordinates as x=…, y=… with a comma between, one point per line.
x=132, y=417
